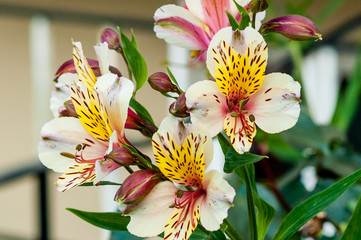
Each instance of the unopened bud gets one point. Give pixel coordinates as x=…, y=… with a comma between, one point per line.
x=256, y=6
x=69, y=110
x=137, y=186
x=161, y=82
x=179, y=107
x=112, y=38
x=134, y=121
x=294, y=27
x=121, y=156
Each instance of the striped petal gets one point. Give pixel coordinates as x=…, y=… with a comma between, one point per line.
x=178, y=26
x=238, y=74
x=75, y=176
x=182, y=222
x=218, y=200
x=207, y=106
x=182, y=163
x=62, y=139
x=115, y=94
x=91, y=112
x=149, y=217
x=85, y=73
x=275, y=106
x=240, y=131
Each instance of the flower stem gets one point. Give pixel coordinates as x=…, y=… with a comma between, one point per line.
x=254, y=20
x=250, y=202
x=231, y=231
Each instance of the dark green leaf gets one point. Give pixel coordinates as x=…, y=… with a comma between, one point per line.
x=353, y=230
x=313, y=205
x=171, y=76
x=135, y=60
x=245, y=20
x=234, y=160
x=113, y=221
x=223, y=141
x=232, y=21
x=101, y=183
x=349, y=101
x=265, y=214
x=141, y=110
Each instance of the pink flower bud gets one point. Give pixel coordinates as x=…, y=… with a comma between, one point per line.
x=69, y=110
x=179, y=107
x=121, y=156
x=112, y=38
x=161, y=82
x=294, y=27
x=134, y=121
x=137, y=186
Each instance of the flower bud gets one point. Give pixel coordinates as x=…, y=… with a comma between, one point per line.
x=137, y=186
x=134, y=121
x=294, y=27
x=121, y=156
x=161, y=82
x=112, y=38
x=69, y=110
x=179, y=107
x=256, y=6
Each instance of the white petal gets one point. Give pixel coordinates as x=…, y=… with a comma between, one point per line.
x=103, y=168
x=238, y=42
x=115, y=94
x=150, y=216
x=61, y=92
x=208, y=106
x=218, y=200
x=320, y=78
x=102, y=50
x=63, y=135
x=178, y=26
x=276, y=104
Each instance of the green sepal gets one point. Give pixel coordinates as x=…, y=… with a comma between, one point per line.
x=135, y=60
x=141, y=111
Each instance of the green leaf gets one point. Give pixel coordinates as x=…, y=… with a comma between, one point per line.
x=135, y=60
x=171, y=76
x=245, y=20
x=234, y=160
x=101, y=183
x=134, y=41
x=313, y=205
x=349, y=101
x=353, y=230
x=141, y=110
x=232, y=21
x=265, y=214
x=113, y=221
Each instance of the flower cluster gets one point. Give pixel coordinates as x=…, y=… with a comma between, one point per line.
x=172, y=191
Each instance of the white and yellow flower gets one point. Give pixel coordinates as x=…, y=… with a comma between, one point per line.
x=242, y=95
x=76, y=146
x=182, y=154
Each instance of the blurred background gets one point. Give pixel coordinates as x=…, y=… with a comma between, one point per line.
x=37, y=35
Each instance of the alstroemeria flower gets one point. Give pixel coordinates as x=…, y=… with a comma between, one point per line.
x=76, y=146
x=242, y=94
x=194, y=26
x=182, y=154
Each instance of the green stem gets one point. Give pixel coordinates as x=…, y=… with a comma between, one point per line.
x=231, y=231
x=250, y=203
x=129, y=169
x=254, y=20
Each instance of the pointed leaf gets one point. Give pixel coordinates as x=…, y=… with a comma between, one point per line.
x=353, y=230
x=234, y=160
x=135, y=60
x=245, y=20
x=113, y=221
x=232, y=21
x=171, y=76
x=313, y=205
x=265, y=214
x=141, y=110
